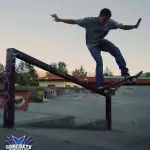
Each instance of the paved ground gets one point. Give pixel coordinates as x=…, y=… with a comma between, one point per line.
x=130, y=122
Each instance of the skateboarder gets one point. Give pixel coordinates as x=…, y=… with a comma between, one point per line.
x=96, y=29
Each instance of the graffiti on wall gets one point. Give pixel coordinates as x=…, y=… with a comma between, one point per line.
x=21, y=100
x=45, y=94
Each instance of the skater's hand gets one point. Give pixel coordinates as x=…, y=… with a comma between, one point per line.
x=138, y=23
x=56, y=18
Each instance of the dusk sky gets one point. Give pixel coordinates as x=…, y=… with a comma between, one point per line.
x=27, y=26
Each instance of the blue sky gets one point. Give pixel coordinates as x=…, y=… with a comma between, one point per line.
x=27, y=26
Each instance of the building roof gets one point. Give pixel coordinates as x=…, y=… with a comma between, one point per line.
x=50, y=78
x=91, y=80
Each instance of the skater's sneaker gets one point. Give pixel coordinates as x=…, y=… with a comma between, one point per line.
x=100, y=87
x=125, y=75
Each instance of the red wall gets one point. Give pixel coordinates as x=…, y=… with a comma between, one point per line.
x=21, y=100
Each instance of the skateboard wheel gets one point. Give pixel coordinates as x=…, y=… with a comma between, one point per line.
x=105, y=91
x=134, y=79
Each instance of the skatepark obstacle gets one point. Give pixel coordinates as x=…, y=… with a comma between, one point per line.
x=9, y=87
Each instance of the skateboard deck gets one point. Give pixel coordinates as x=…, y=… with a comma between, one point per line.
x=117, y=84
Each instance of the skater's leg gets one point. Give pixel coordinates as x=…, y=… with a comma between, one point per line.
x=114, y=51
x=96, y=54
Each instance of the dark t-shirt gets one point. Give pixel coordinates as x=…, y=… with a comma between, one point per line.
x=91, y=25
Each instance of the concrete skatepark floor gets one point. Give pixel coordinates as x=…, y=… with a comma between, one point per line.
x=130, y=122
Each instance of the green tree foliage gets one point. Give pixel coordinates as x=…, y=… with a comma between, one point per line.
x=147, y=74
x=107, y=72
x=2, y=68
x=48, y=73
x=2, y=73
x=25, y=74
x=79, y=72
x=60, y=66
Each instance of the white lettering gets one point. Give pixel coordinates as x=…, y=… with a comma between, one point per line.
x=7, y=146
x=19, y=147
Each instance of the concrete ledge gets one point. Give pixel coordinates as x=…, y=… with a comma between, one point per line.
x=48, y=122
x=95, y=125
x=69, y=122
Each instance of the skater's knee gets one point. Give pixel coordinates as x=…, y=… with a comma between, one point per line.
x=116, y=52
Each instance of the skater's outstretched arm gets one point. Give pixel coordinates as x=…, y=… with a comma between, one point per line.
x=68, y=21
x=130, y=27
x=81, y=22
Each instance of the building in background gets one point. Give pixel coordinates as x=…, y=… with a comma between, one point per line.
x=55, y=81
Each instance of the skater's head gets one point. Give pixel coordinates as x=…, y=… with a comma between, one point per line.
x=104, y=16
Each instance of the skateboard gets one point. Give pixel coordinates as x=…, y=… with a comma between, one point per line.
x=117, y=84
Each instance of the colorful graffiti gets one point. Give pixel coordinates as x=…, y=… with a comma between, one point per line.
x=45, y=94
x=21, y=100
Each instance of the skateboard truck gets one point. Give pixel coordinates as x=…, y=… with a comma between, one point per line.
x=133, y=80
x=110, y=91
x=106, y=91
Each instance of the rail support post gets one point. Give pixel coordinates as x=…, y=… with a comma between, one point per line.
x=9, y=90
x=108, y=112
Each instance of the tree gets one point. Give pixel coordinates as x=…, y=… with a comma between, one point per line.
x=25, y=74
x=31, y=71
x=2, y=68
x=62, y=67
x=108, y=72
x=147, y=74
x=2, y=73
x=53, y=65
x=79, y=72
